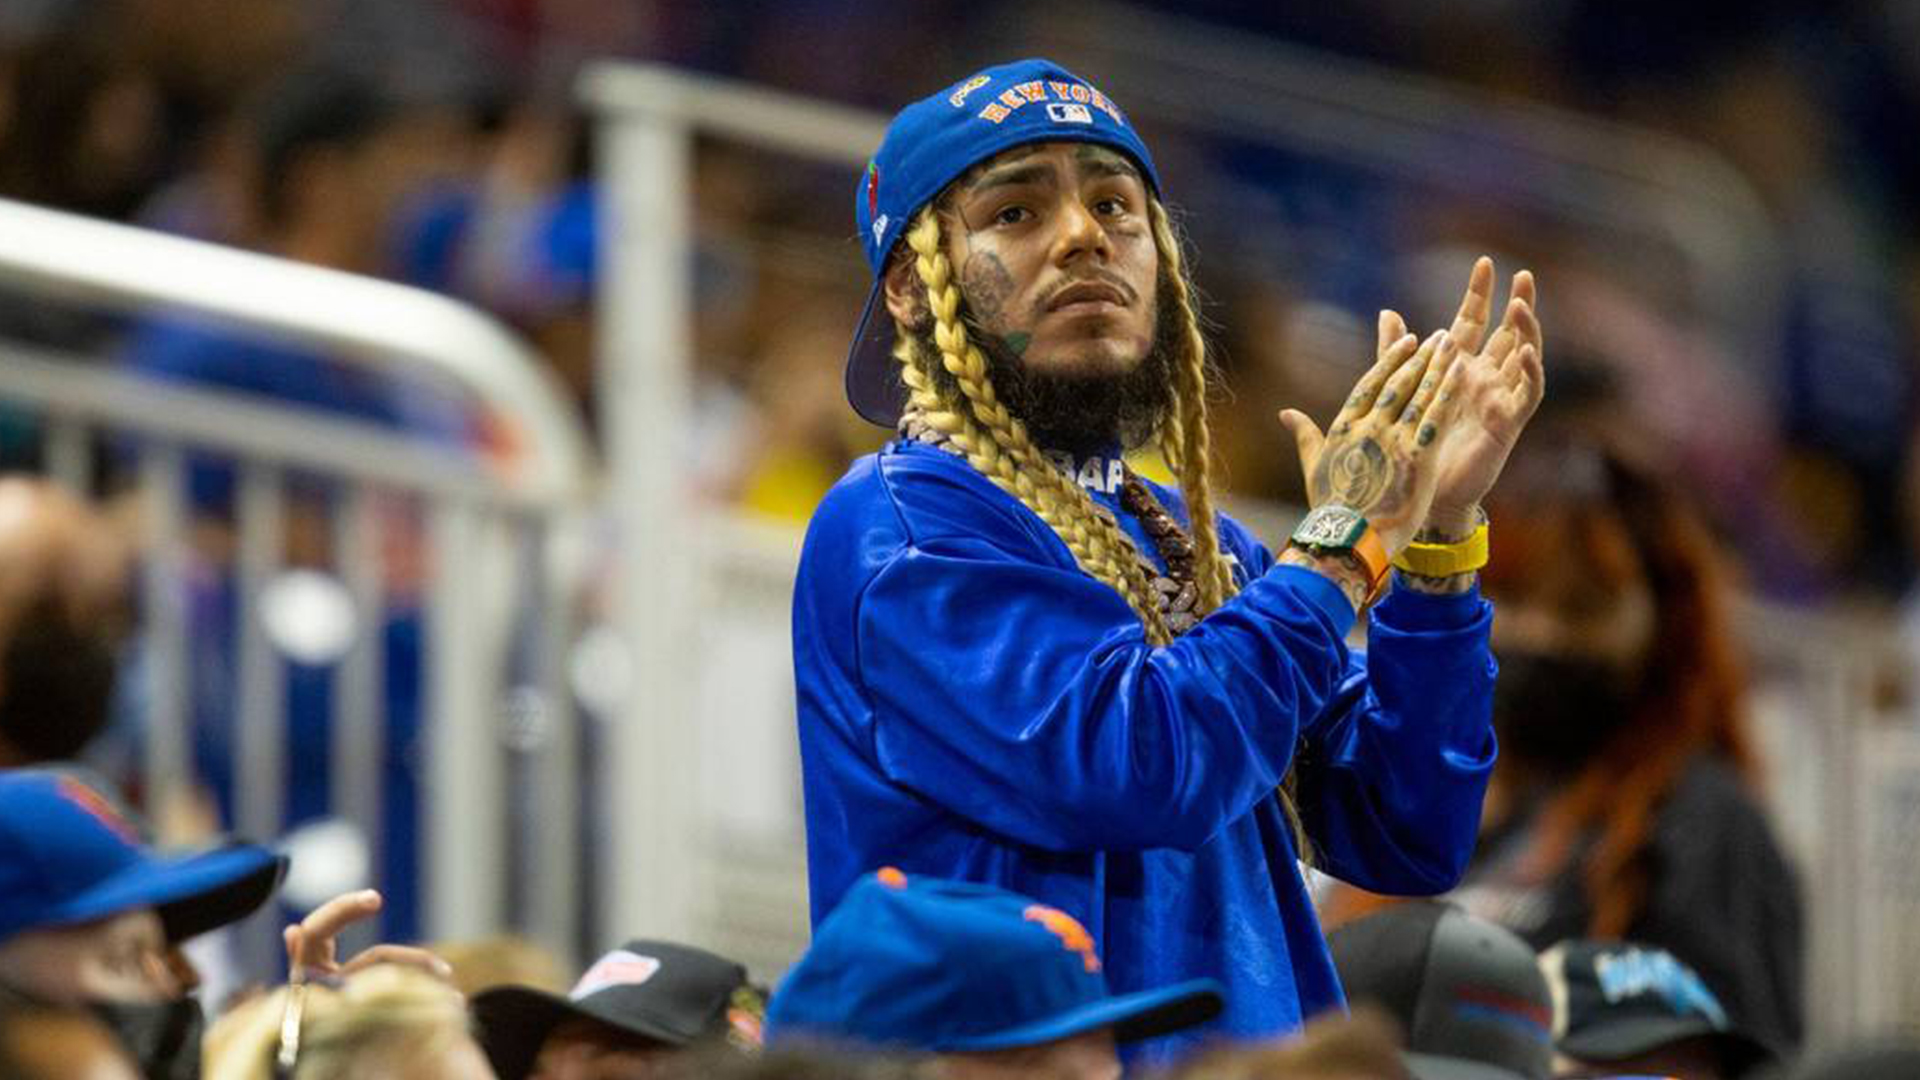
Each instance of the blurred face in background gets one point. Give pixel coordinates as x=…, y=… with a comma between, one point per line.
x=121, y=959
x=1577, y=612
x=122, y=971
x=583, y=1050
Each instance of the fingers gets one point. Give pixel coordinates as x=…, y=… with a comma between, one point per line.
x=1439, y=370
x=1406, y=376
x=1306, y=435
x=1533, y=382
x=1527, y=322
x=1446, y=403
x=1524, y=331
x=1469, y=327
x=296, y=963
x=1392, y=329
x=316, y=932
x=404, y=955
x=1524, y=289
x=1368, y=388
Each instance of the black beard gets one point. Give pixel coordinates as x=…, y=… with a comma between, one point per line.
x=1079, y=414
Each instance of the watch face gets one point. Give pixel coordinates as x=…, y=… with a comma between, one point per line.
x=1330, y=527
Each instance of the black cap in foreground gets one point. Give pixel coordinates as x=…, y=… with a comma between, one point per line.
x=1623, y=1000
x=654, y=991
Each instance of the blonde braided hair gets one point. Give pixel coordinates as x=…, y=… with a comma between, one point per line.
x=1185, y=441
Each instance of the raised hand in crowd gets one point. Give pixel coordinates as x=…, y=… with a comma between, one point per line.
x=313, y=942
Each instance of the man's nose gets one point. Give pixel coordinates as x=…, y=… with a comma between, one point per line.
x=1080, y=234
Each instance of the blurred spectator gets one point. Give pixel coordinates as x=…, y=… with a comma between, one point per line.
x=46, y=1042
x=1468, y=993
x=995, y=985
x=637, y=1010
x=803, y=435
x=332, y=156
x=89, y=917
x=383, y=1021
x=1363, y=1046
x=1623, y=803
x=1621, y=1008
x=65, y=611
x=518, y=236
x=81, y=128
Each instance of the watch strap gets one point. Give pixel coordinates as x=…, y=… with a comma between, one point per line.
x=1371, y=553
x=1445, y=560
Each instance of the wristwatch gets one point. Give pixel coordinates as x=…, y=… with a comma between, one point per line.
x=1333, y=529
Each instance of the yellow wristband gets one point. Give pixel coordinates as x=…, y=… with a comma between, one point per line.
x=1445, y=560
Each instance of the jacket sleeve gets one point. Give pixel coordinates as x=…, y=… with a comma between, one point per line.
x=1023, y=696
x=1392, y=775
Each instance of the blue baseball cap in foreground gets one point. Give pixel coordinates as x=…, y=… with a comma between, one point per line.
x=68, y=857
x=941, y=966
x=928, y=146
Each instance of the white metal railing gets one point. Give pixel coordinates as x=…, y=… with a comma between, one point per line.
x=662, y=878
x=526, y=493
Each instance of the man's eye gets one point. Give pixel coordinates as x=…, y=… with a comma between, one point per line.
x=1113, y=207
x=1012, y=215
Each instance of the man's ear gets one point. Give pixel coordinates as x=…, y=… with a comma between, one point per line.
x=906, y=296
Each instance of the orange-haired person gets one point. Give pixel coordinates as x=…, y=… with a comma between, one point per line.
x=1624, y=803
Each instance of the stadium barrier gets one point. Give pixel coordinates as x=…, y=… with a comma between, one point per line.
x=481, y=509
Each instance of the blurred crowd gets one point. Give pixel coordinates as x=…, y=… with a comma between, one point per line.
x=437, y=142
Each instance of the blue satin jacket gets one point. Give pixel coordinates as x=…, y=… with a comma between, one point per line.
x=971, y=705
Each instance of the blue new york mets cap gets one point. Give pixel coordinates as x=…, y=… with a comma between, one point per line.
x=928, y=146
x=928, y=965
x=68, y=856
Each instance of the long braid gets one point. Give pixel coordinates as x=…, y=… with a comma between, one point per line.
x=1188, y=447
x=996, y=443
x=1190, y=442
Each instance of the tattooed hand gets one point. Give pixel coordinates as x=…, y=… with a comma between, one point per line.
x=1378, y=456
x=1500, y=387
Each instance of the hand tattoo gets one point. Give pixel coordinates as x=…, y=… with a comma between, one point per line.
x=1354, y=474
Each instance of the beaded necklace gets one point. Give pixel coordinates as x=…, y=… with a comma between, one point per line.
x=1174, y=587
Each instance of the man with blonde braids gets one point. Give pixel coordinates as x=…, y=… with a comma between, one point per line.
x=1018, y=663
